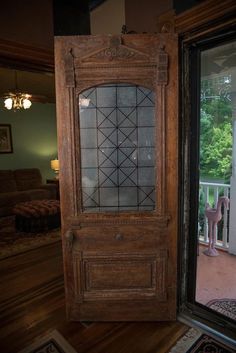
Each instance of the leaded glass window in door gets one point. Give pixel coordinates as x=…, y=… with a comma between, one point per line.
x=117, y=133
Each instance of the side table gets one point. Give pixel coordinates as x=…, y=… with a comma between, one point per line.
x=56, y=182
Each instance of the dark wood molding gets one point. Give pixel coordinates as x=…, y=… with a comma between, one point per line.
x=206, y=15
x=208, y=24
x=23, y=56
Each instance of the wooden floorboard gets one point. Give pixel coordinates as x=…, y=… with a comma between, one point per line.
x=32, y=304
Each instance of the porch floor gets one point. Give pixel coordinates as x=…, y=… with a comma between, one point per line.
x=216, y=276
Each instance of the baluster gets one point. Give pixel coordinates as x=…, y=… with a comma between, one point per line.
x=205, y=219
x=216, y=196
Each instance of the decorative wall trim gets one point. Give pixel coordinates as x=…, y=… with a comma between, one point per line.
x=205, y=13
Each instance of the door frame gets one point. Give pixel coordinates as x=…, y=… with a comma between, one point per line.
x=202, y=27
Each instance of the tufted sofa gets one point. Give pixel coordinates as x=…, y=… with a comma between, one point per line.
x=22, y=185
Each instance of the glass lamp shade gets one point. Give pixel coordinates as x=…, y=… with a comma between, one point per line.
x=26, y=103
x=8, y=103
x=55, y=167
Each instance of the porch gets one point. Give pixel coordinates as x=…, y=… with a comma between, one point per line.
x=216, y=276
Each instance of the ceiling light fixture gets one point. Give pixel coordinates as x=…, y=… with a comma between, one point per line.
x=16, y=100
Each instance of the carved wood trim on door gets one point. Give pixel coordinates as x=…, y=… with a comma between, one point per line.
x=118, y=61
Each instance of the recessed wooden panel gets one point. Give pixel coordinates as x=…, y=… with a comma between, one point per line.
x=120, y=276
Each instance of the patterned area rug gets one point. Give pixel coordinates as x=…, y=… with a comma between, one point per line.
x=207, y=344
x=196, y=342
x=52, y=343
x=226, y=307
x=13, y=243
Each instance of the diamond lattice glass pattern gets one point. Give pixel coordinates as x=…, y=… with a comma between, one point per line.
x=117, y=130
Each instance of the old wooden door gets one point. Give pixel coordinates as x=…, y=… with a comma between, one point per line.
x=117, y=136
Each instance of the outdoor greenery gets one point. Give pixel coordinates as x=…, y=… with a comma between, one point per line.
x=216, y=141
x=216, y=138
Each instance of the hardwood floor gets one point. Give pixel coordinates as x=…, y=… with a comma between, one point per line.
x=32, y=304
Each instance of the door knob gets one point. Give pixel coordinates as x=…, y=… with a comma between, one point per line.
x=69, y=239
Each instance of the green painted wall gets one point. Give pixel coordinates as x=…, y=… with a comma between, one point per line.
x=34, y=138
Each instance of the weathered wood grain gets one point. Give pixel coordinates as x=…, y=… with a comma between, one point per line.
x=98, y=247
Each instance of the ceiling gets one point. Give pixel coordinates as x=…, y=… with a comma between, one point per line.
x=40, y=85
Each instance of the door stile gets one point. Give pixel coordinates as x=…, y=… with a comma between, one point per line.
x=65, y=104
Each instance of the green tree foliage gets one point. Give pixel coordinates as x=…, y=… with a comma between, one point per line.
x=216, y=139
x=220, y=109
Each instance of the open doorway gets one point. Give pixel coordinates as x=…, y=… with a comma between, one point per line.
x=208, y=172
x=28, y=142
x=216, y=277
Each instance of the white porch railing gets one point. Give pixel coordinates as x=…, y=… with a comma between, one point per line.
x=210, y=192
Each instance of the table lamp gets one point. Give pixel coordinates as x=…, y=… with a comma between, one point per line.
x=55, y=167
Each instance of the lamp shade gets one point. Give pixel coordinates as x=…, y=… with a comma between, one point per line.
x=55, y=164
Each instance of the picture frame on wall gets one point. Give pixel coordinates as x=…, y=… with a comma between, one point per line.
x=5, y=139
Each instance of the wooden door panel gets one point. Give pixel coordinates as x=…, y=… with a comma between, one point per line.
x=119, y=238
x=112, y=285
x=119, y=255
x=124, y=268
x=120, y=276
x=122, y=264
